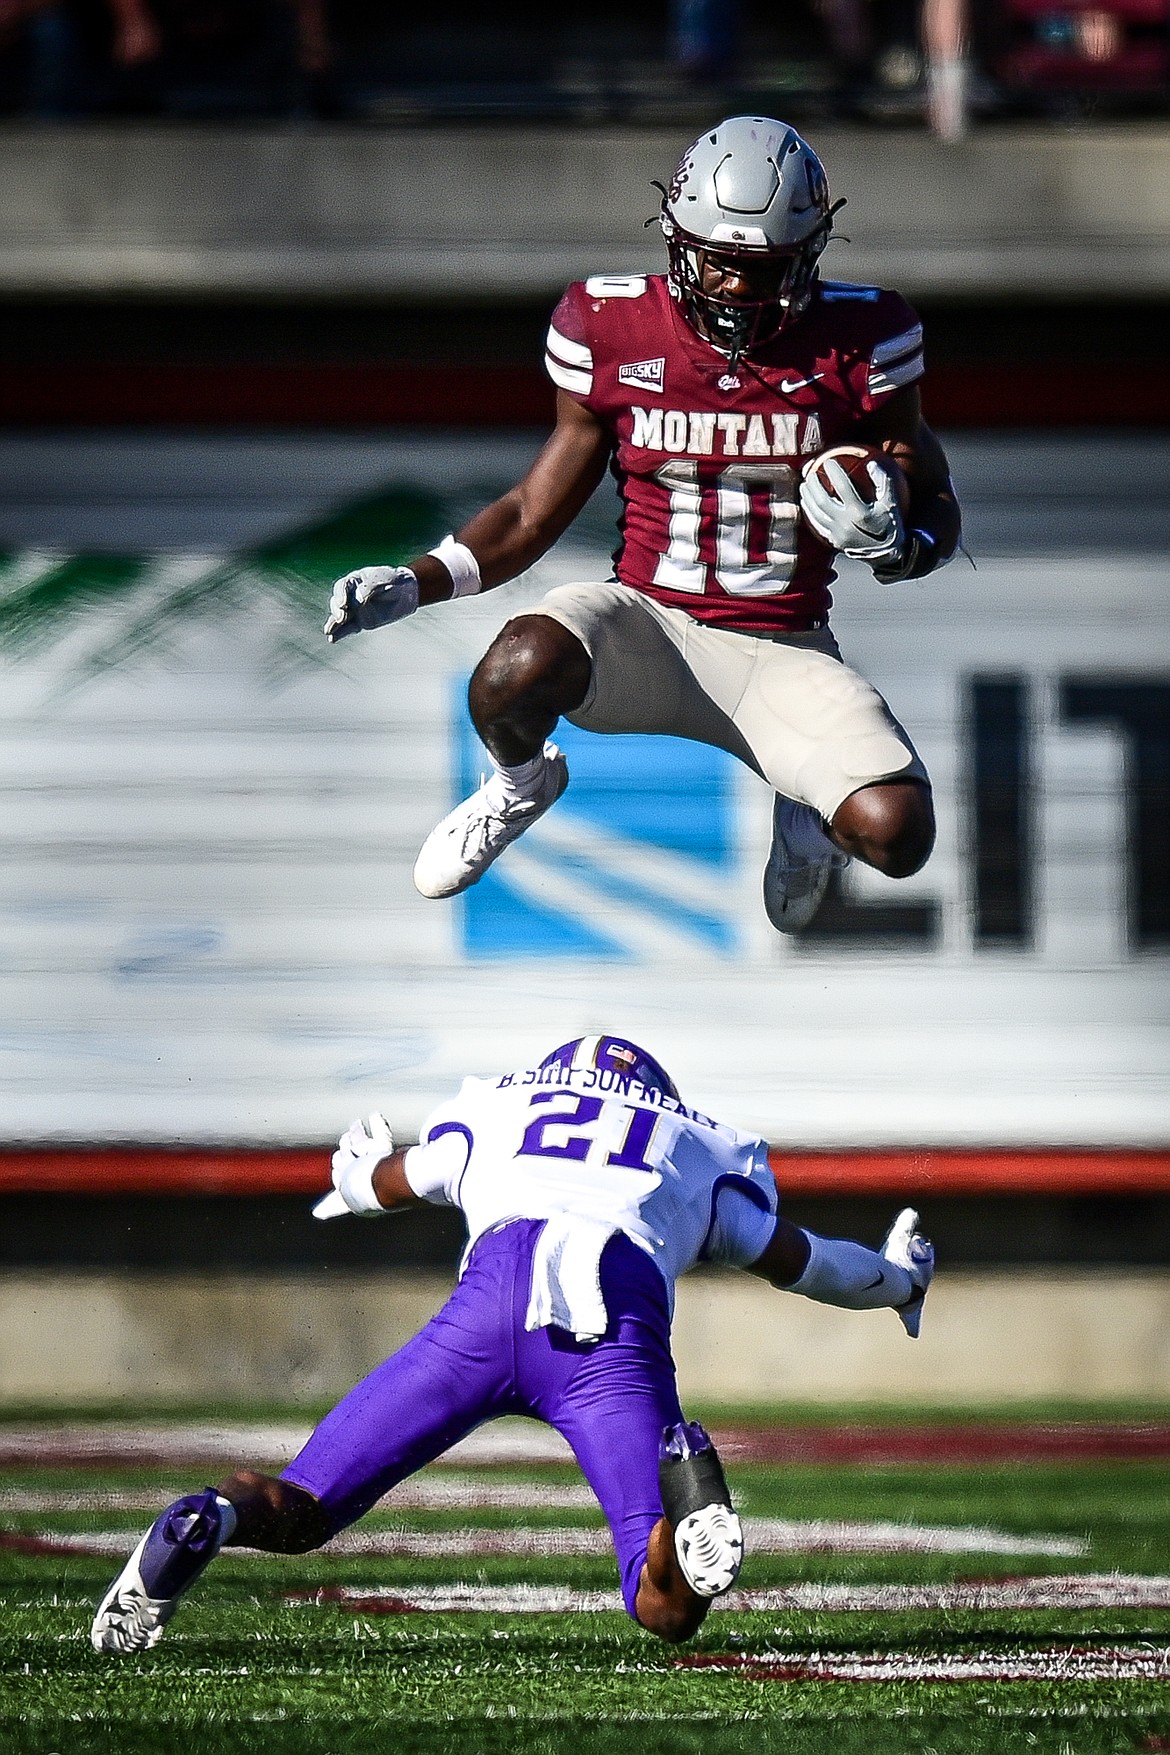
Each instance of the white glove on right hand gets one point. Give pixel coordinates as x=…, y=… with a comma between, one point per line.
x=862, y=529
x=371, y=598
x=363, y=1147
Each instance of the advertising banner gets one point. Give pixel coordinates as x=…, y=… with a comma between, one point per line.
x=208, y=820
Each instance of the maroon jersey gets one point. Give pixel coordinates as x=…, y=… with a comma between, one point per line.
x=708, y=460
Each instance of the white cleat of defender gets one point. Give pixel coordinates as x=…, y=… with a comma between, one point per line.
x=128, y=1618
x=906, y=1249
x=709, y=1547
x=459, y=850
x=799, y=867
x=176, y=1549
x=708, y=1536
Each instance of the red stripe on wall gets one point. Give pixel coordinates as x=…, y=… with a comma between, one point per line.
x=250, y=394
x=143, y=1170
x=1045, y=394
x=991, y=1172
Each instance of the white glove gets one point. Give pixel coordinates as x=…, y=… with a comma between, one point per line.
x=363, y=1147
x=371, y=598
x=863, y=531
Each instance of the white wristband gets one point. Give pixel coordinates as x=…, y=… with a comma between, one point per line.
x=462, y=566
x=356, y=1188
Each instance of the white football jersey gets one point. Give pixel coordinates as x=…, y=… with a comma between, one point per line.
x=594, y=1152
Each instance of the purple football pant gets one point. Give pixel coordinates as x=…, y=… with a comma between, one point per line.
x=475, y=1360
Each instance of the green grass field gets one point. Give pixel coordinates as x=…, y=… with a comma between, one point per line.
x=255, y=1663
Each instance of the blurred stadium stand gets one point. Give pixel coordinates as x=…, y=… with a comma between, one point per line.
x=655, y=61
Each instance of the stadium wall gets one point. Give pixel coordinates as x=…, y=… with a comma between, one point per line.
x=505, y=212
x=181, y=1338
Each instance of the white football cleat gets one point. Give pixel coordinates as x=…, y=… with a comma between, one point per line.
x=799, y=865
x=906, y=1249
x=179, y=1544
x=456, y=854
x=708, y=1536
x=709, y=1547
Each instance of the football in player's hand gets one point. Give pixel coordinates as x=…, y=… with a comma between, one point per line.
x=855, y=461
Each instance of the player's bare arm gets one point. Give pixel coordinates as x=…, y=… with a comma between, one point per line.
x=519, y=527
x=785, y=1258
x=498, y=543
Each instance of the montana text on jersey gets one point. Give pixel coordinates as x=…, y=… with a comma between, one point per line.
x=707, y=457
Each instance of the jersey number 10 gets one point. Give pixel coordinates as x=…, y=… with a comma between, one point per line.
x=578, y=1120
x=743, y=517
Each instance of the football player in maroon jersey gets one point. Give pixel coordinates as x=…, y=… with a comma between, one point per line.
x=707, y=391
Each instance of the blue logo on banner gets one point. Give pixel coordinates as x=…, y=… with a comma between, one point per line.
x=634, y=863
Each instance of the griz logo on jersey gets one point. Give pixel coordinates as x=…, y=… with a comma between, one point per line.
x=725, y=435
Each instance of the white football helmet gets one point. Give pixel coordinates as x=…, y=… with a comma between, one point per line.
x=750, y=193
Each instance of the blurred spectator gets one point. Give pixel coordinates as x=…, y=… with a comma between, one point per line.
x=1085, y=49
x=848, y=27
x=38, y=63
x=706, y=37
x=885, y=53
x=171, y=57
x=876, y=54
x=190, y=57
x=944, y=47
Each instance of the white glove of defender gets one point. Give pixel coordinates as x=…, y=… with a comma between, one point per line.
x=371, y=598
x=363, y=1147
x=865, y=532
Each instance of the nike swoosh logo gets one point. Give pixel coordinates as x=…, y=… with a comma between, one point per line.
x=787, y=389
x=874, y=1284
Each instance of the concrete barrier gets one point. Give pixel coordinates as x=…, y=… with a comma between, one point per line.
x=989, y=1338
x=507, y=213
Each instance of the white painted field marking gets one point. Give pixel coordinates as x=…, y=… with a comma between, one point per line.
x=1054, y=1664
x=164, y=1444
x=1088, y=1590
x=1077, y=1591
x=446, y=1599
x=503, y=1441
x=761, y=1535
x=427, y=1491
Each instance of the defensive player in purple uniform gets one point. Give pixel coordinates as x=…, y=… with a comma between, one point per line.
x=588, y=1187
x=707, y=391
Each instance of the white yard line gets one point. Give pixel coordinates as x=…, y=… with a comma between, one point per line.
x=1056, y=1664
x=504, y=1441
x=778, y=1536
x=1077, y=1591
x=427, y=1491
x=761, y=1535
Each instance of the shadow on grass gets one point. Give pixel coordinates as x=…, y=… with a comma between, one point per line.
x=508, y=1736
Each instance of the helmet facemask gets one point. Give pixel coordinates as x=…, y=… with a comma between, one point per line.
x=739, y=323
